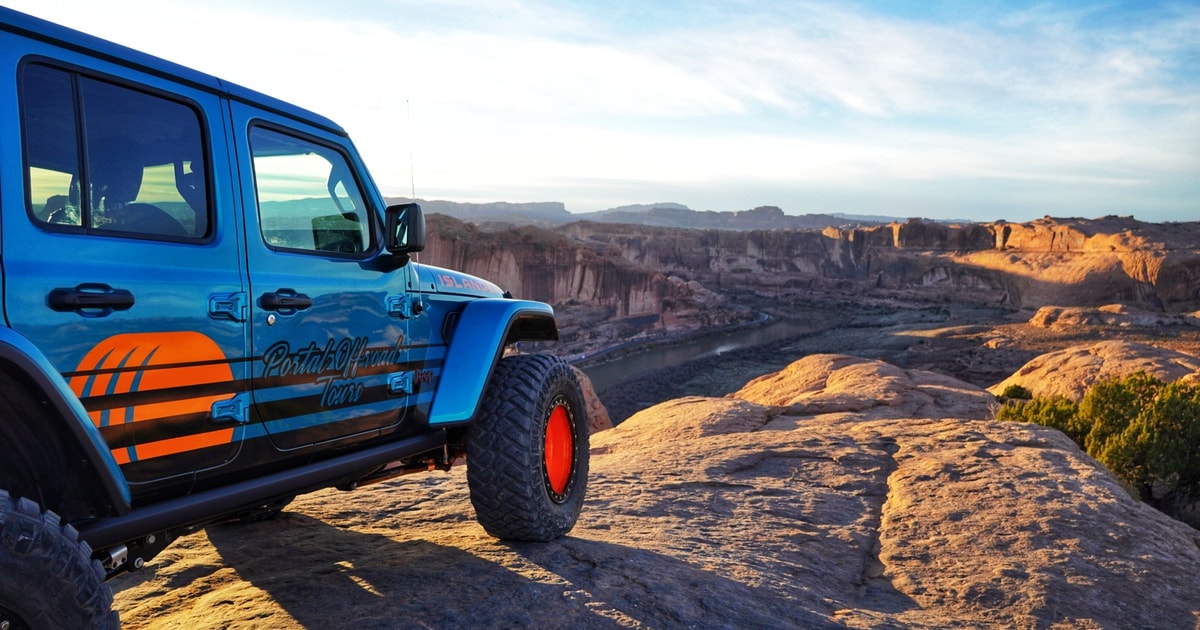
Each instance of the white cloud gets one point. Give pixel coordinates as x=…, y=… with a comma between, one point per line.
x=552, y=100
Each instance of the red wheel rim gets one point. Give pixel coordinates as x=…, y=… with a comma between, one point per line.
x=559, y=450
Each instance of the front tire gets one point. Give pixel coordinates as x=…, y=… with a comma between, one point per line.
x=47, y=576
x=527, y=451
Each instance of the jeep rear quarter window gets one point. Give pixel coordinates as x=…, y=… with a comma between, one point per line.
x=105, y=158
x=308, y=199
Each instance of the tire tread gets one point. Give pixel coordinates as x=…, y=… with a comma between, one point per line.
x=506, y=485
x=40, y=546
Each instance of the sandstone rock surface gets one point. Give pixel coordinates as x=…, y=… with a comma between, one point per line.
x=1071, y=371
x=598, y=418
x=1120, y=315
x=816, y=498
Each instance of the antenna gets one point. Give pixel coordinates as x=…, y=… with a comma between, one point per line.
x=412, y=177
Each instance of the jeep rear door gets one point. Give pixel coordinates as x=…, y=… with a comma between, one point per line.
x=329, y=356
x=124, y=266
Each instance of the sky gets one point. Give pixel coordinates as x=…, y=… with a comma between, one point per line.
x=945, y=109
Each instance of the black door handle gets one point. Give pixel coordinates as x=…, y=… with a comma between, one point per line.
x=95, y=300
x=285, y=300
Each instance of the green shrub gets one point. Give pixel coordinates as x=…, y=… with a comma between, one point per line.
x=1016, y=392
x=1145, y=431
x=1110, y=405
x=1058, y=413
x=1158, y=451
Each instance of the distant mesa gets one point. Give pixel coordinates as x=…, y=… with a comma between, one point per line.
x=680, y=216
x=539, y=213
x=666, y=214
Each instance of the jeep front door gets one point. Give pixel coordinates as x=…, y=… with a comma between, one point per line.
x=329, y=355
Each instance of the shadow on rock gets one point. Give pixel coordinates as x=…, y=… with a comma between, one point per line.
x=636, y=587
x=327, y=577
x=324, y=576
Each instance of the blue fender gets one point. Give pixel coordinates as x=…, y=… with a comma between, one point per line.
x=484, y=327
x=27, y=358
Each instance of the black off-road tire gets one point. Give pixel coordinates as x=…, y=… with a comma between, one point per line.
x=47, y=576
x=517, y=494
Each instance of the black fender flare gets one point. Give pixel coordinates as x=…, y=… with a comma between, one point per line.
x=22, y=357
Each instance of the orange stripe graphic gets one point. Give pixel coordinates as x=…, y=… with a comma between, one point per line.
x=141, y=358
x=183, y=444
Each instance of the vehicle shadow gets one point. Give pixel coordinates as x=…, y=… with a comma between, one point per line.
x=324, y=576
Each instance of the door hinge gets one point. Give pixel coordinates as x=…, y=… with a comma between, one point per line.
x=405, y=306
x=236, y=409
x=228, y=306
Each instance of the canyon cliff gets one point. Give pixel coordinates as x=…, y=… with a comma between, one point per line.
x=611, y=282
x=1065, y=262
x=600, y=296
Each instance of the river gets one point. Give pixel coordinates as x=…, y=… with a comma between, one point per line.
x=660, y=356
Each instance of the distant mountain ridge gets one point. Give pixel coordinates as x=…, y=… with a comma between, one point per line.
x=676, y=215
x=666, y=214
x=539, y=213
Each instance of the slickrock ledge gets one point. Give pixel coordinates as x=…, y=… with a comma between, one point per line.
x=1070, y=372
x=818, y=497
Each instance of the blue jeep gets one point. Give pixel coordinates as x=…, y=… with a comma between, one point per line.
x=209, y=309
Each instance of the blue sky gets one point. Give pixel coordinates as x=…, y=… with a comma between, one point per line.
x=977, y=110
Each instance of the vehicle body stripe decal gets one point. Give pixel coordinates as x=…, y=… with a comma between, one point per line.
x=173, y=369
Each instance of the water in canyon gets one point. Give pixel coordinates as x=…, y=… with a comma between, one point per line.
x=655, y=357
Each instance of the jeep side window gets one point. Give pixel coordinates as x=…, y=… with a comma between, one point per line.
x=308, y=199
x=104, y=158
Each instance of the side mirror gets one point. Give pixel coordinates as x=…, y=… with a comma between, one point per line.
x=405, y=228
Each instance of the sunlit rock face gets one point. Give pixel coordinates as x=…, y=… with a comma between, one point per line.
x=1070, y=372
